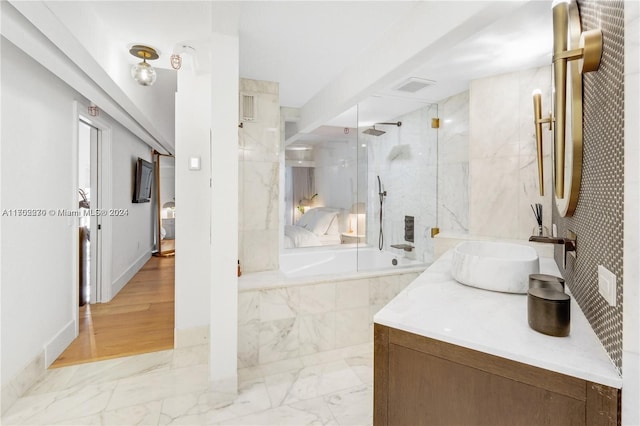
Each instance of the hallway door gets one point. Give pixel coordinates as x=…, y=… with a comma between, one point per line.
x=88, y=205
x=94, y=199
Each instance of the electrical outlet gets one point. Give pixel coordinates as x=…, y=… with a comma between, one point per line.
x=607, y=285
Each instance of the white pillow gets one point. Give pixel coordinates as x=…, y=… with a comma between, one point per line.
x=317, y=220
x=321, y=222
x=307, y=218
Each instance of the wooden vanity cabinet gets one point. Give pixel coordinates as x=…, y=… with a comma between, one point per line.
x=422, y=381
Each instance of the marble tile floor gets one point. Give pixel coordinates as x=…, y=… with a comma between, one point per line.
x=171, y=388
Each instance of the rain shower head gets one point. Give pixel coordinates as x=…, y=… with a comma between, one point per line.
x=375, y=132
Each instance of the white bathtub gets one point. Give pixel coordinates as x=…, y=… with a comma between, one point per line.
x=299, y=263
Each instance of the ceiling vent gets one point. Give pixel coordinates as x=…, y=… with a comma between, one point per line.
x=413, y=85
x=248, y=107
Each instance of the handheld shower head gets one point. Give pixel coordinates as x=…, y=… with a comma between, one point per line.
x=381, y=192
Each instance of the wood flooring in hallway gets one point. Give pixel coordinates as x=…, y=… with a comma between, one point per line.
x=139, y=319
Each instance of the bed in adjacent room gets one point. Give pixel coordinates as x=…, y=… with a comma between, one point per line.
x=317, y=227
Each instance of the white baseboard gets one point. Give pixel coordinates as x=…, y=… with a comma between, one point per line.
x=19, y=384
x=59, y=343
x=193, y=336
x=126, y=276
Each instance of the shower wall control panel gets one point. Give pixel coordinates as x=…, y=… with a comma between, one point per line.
x=408, y=228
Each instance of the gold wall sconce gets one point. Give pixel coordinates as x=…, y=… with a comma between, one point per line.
x=574, y=53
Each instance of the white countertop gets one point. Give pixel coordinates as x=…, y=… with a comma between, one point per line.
x=438, y=307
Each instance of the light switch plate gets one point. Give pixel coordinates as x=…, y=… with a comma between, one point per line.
x=607, y=285
x=194, y=163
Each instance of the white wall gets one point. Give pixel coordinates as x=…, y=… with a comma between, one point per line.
x=193, y=195
x=37, y=274
x=132, y=235
x=224, y=214
x=38, y=163
x=207, y=210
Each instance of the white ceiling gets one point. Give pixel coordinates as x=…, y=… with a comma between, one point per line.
x=305, y=45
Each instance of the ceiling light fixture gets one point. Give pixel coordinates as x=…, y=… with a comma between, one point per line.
x=142, y=72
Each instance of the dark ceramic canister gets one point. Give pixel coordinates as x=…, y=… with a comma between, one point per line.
x=549, y=311
x=546, y=281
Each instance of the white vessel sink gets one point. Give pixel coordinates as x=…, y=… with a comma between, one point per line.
x=494, y=266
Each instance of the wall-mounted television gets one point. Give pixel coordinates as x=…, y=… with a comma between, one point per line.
x=143, y=181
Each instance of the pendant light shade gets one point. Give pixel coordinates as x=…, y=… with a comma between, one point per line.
x=143, y=72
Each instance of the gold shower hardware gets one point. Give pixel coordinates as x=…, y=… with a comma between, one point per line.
x=434, y=231
x=539, y=121
x=435, y=123
x=566, y=23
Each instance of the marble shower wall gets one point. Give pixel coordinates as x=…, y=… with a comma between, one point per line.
x=453, y=164
x=259, y=179
x=503, y=175
x=406, y=159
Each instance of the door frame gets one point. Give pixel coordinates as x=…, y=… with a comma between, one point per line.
x=104, y=249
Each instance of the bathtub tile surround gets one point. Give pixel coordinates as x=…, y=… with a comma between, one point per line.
x=259, y=142
x=317, y=333
x=599, y=217
x=409, y=176
x=170, y=387
x=502, y=157
x=278, y=340
x=279, y=324
x=275, y=304
x=319, y=298
x=353, y=326
x=248, y=349
x=353, y=294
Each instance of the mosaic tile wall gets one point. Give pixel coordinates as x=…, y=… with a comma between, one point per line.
x=598, y=219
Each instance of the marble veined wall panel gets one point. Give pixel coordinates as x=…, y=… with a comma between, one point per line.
x=453, y=164
x=259, y=179
x=503, y=176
